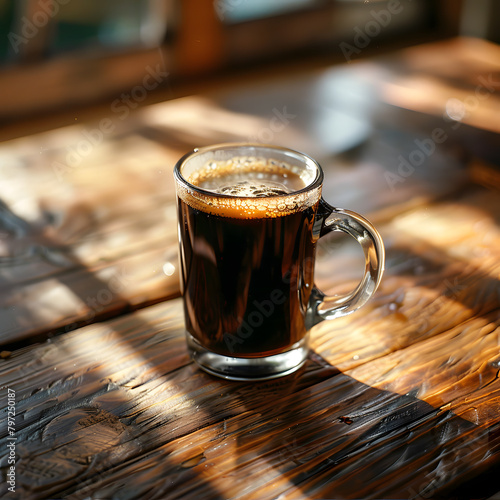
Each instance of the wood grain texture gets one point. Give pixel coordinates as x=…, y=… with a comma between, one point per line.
x=87, y=213
x=442, y=271
x=398, y=400
x=74, y=247
x=116, y=410
x=413, y=411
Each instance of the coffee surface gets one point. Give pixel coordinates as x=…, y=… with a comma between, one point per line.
x=250, y=188
x=254, y=184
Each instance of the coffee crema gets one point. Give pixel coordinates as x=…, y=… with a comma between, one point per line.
x=248, y=188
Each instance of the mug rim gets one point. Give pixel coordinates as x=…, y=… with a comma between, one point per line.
x=317, y=181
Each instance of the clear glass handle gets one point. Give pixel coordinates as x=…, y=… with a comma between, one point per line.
x=322, y=306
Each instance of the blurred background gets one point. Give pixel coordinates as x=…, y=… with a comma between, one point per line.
x=60, y=56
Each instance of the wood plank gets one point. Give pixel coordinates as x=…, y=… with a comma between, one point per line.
x=462, y=83
x=393, y=351
x=80, y=296
x=442, y=275
x=137, y=369
x=398, y=400
x=74, y=247
x=117, y=408
x=63, y=191
x=74, y=214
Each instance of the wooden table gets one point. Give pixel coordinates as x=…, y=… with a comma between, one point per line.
x=398, y=400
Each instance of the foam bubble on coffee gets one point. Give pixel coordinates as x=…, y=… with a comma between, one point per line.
x=253, y=190
x=250, y=188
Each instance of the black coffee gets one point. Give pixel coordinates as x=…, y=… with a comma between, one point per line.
x=247, y=259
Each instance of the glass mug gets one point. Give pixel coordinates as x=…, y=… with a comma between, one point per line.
x=249, y=218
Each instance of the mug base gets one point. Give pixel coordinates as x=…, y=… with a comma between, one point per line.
x=249, y=369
